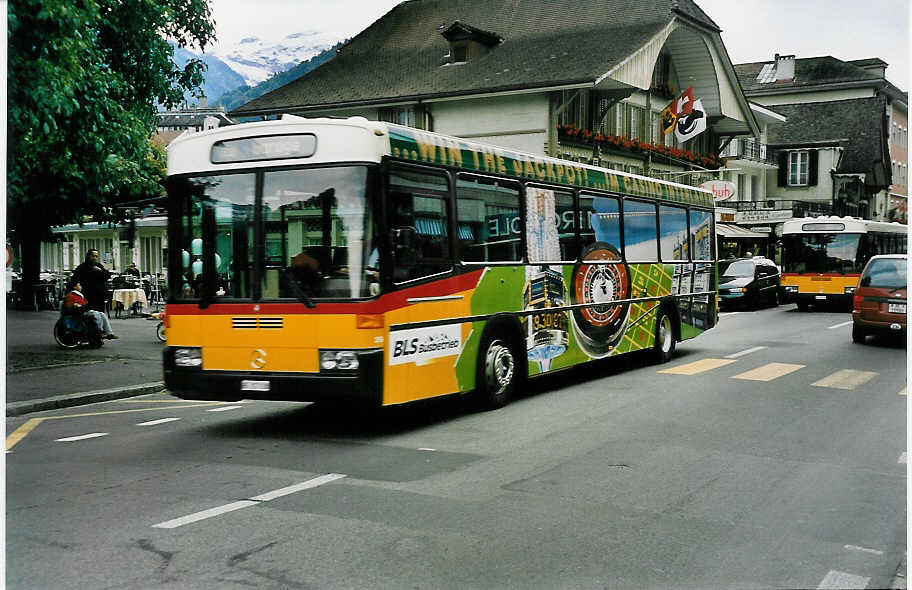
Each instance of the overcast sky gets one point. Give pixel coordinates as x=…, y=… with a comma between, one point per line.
x=752, y=30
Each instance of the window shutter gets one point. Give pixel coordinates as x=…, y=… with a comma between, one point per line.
x=812, y=167
x=783, y=169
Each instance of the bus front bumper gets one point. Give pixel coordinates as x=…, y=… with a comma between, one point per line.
x=363, y=387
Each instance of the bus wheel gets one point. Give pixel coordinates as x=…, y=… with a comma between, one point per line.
x=665, y=340
x=498, y=371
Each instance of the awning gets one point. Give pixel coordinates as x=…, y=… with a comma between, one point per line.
x=727, y=230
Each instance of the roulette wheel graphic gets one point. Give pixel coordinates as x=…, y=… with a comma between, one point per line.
x=599, y=327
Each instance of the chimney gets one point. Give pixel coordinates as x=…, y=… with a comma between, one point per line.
x=204, y=102
x=785, y=68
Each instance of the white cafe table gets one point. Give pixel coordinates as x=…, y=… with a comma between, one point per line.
x=128, y=297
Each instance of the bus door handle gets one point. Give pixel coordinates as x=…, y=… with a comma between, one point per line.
x=412, y=300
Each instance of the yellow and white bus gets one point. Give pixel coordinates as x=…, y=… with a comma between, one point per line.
x=364, y=262
x=822, y=257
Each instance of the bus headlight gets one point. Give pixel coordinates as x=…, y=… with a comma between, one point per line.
x=338, y=360
x=188, y=357
x=849, y=290
x=791, y=289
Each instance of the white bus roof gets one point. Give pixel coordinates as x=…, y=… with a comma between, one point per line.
x=830, y=224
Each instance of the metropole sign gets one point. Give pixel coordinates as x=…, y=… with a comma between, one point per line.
x=722, y=190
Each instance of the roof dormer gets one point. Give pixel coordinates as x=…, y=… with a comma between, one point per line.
x=468, y=42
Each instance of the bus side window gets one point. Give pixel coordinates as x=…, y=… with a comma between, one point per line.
x=599, y=222
x=419, y=224
x=640, y=232
x=488, y=219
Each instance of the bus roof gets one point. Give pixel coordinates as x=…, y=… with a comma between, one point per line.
x=831, y=224
x=358, y=140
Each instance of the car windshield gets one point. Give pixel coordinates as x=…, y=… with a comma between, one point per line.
x=740, y=268
x=307, y=235
x=887, y=273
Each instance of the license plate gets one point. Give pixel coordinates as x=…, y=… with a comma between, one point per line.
x=248, y=385
x=896, y=308
x=820, y=297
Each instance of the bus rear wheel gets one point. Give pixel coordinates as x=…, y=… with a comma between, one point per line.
x=664, y=338
x=498, y=372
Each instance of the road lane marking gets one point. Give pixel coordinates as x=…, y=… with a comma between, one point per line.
x=81, y=437
x=744, y=352
x=839, y=325
x=697, y=367
x=219, y=510
x=157, y=422
x=204, y=514
x=903, y=458
x=426, y=449
x=845, y=379
x=903, y=392
x=306, y=485
x=769, y=372
x=21, y=432
x=863, y=549
x=225, y=409
x=837, y=580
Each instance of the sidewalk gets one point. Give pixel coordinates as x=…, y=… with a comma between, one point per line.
x=41, y=376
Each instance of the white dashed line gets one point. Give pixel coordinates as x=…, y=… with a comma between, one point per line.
x=744, y=352
x=840, y=325
x=225, y=408
x=863, y=549
x=836, y=580
x=81, y=437
x=157, y=422
x=306, y=485
x=426, y=449
x=218, y=510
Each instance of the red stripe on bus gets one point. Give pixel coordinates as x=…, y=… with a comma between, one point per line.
x=820, y=274
x=383, y=304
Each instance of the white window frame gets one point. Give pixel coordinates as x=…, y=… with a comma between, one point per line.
x=798, y=162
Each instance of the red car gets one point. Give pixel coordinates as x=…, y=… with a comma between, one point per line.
x=879, y=304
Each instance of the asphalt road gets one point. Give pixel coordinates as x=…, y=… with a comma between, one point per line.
x=769, y=453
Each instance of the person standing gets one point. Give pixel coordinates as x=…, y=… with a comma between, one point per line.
x=94, y=280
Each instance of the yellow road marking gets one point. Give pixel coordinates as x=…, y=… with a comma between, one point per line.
x=21, y=432
x=769, y=372
x=697, y=366
x=845, y=379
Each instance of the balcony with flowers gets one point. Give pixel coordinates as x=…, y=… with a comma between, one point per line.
x=570, y=134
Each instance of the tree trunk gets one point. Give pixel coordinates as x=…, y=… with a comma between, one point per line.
x=29, y=241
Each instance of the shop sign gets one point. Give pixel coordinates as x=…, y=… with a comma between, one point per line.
x=722, y=190
x=763, y=215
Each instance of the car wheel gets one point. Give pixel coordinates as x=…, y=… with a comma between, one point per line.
x=774, y=300
x=858, y=334
x=664, y=338
x=497, y=372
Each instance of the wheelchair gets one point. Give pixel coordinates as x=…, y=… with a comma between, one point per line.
x=73, y=331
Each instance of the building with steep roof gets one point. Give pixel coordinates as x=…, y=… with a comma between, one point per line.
x=585, y=81
x=842, y=149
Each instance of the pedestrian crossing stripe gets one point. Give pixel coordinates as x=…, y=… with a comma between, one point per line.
x=769, y=372
x=697, y=366
x=845, y=379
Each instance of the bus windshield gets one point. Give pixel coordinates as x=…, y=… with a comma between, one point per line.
x=821, y=253
x=315, y=235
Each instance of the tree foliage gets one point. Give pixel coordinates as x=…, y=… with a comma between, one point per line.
x=85, y=78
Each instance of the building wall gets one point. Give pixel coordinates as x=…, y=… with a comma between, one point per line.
x=899, y=151
x=823, y=191
x=805, y=97
x=518, y=122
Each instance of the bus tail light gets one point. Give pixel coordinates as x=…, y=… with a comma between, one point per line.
x=366, y=321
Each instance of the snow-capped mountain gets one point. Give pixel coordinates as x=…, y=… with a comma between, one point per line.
x=256, y=59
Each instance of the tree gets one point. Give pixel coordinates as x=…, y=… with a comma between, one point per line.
x=85, y=78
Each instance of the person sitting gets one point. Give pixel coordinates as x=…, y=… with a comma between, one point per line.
x=132, y=270
x=75, y=304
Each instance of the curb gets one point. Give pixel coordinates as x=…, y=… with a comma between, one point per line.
x=79, y=399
